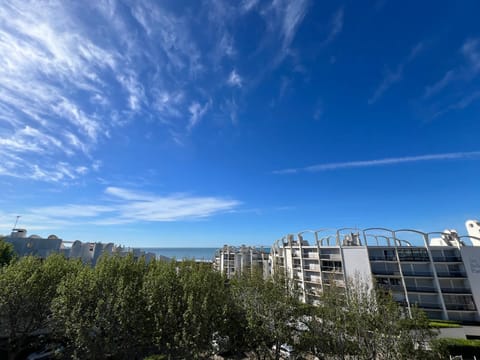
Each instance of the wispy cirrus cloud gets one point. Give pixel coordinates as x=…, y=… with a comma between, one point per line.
x=283, y=18
x=66, y=81
x=234, y=79
x=197, y=111
x=461, y=76
x=126, y=206
x=470, y=50
x=392, y=77
x=336, y=26
x=381, y=162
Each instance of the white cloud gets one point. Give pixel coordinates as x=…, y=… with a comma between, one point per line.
x=318, y=110
x=389, y=79
x=293, y=16
x=462, y=103
x=248, y=5
x=441, y=84
x=392, y=77
x=197, y=111
x=381, y=162
x=471, y=51
x=336, y=26
x=46, y=62
x=464, y=73
x=234, y=79
x=72, y=78
x=283, y=18
x=122, y=206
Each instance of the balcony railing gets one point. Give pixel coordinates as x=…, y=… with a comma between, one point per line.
x=465, y=307
x=390, y=287
x=418, y=273
x=421, y=289
x=457, y=290
x=447, y=259
x=460, y=274
x=385, y=272
x=329, y=269
x=382, y=258
x=427, y=305
x=336, y=257
x=414, y=258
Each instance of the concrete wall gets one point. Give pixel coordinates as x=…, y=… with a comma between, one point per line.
x=471, y=260
x=356, y=264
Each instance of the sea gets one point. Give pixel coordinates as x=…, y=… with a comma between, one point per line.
x=198, y=254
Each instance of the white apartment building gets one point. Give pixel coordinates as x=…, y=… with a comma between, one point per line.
x=232, y=260
x=438, y=272
x=88, y=252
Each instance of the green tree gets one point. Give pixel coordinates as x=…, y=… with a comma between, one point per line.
x=28, y=289
x=363, y=323
x=187, y=303
x=271, y=312
x=101, y=311
x=7, y=253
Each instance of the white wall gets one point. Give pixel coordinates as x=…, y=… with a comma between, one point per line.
x=471, y=260
x=357, y=264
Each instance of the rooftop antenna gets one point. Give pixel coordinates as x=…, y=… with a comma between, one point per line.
x=16, y=222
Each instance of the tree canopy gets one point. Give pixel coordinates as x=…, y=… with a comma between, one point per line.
x=126, y=308
x=7, y=253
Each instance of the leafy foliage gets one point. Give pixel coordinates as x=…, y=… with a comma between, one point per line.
x=366, y=324
x=28, y=289
x=7, y=253
x=447, y=347
x=270, y=308
x=125, y=308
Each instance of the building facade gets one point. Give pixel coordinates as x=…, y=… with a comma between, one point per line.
x=437, y=272
x=233, y=260
x=88, y=252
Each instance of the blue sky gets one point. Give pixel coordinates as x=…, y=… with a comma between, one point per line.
x=200, y=123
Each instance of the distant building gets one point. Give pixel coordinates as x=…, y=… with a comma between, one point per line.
x=438, y=272
x=88, y=252
x=232, y=260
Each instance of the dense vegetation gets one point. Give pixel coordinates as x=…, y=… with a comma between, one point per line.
x=127, y=309
x=7, y=253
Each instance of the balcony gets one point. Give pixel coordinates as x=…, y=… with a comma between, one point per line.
x=427, y=289
x=447, y=259
x=392, y=288
x=454, y=274
x=385, y=272
x=414, y=258
x=382, y=258
x=333, y=257
x=461, y=307
x=456, y=290
x=427, y=305
x=418, y=273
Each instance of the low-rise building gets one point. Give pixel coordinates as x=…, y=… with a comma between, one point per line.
x=88, y=252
